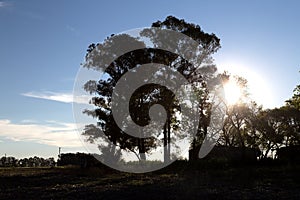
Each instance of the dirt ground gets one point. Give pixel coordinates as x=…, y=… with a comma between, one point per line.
x=75, y=183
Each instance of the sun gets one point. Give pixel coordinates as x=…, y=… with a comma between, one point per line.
x=232, y=91
x=259, y=84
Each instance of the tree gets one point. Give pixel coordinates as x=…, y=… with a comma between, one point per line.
x=237, y=125
x=290, y=125
x=8, y=161
x=291, y=119
x=238, y=130
x=140, y=104
x=149, y=95
x=272, y=129
x=269, y=126
x=202, y=75
x=295, y=100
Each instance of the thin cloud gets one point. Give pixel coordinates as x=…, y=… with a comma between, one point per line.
x=62, y=134
x=3, y=4
x=69, y=79
x=28, y=121
x=59, y=97
x=73, y=30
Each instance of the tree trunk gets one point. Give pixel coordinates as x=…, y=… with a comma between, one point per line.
x=142, y=151
x=169, y=138
x=165, y=143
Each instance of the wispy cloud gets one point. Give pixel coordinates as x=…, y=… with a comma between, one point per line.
x=73, y=30
x=54, y=96
x=60, y=97
x=51, y=133
x=4, y=4
x=28, y=121
x=32, y=15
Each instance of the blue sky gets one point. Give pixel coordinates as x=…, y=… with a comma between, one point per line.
x=42, y=44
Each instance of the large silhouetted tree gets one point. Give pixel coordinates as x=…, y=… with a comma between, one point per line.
x=148, y=95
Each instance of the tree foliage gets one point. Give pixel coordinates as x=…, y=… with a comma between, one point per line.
x=295, y=100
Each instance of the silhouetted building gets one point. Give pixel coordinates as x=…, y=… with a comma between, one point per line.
x=229, y=154
x=289, y=154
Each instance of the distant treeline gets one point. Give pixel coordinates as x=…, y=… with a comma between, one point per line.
x=219, y=155
x=35, y=161
x=79, y=159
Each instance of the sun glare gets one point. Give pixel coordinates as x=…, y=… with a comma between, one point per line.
x=232, y=92
x=259, y=88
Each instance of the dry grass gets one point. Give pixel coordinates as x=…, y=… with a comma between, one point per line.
x=280, y=182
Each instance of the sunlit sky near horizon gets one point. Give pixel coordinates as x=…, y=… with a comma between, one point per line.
x=42, y=44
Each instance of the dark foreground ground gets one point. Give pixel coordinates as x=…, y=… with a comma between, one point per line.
x=259, y=182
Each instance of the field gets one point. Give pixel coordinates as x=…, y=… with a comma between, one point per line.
x=264, y=182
